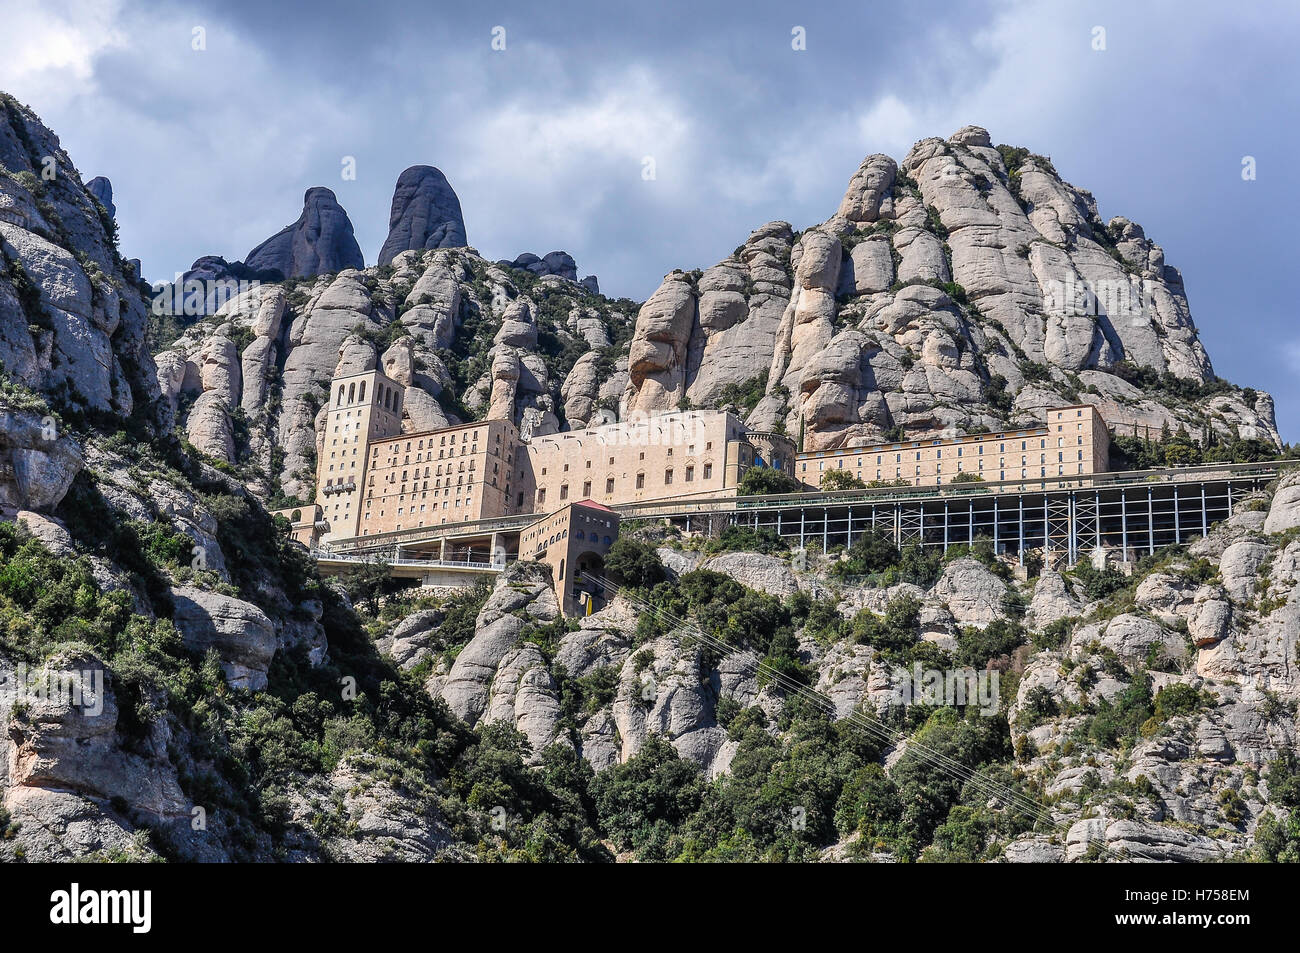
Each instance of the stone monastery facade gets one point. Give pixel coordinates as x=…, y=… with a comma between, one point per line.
x=372, y=479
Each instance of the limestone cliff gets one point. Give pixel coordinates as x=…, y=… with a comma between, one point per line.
x=969, y=286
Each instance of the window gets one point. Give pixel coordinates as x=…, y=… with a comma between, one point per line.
x=586, y=488
x=708, y=471
x=609, y=485
x=668, y=477
x=690, y=474
x=640, y=481
x=564, y=491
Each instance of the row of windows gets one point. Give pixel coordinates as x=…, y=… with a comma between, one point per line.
x=689, y=477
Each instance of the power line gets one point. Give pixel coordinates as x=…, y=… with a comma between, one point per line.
x=1035, y=810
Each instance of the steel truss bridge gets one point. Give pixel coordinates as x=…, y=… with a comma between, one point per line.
x=1129, y=512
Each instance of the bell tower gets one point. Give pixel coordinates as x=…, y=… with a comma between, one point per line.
x=363, y=408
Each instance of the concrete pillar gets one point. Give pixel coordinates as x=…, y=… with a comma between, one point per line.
x=995, y=524
x=945, y=526
x=1205, y=519
x=849, y=537
x=801, y=527
x=970, y=528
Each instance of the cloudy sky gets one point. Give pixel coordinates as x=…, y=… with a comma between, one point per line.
x=545, y=142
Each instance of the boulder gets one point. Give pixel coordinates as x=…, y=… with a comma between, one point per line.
x=240, y=632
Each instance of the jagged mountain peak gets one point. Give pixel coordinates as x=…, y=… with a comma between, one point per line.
x=1030, y=299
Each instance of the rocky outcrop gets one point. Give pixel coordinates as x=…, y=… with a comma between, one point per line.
x=38, y=461
x=425, y=214
x=240, y=633
x=940, y=280
x=763, y=573
x=522, y=593
x=321, y=241
x=692, y=341
x=102, y=190
x=72, y=318
x=557, y=263
x=63, y=768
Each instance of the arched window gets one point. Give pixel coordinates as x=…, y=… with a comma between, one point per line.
x=352, y=393
x=561, y=568
x=339, y=401
x=361, y=392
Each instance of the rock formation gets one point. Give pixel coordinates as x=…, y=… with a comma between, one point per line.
x=963, y=271
x=320, y=242
x=102, y=190
x=426, y=214
x=557, y=263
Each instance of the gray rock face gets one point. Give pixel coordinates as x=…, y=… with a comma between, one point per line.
x=763, y=573
x=102, y=190
x=241, y=633
x=385, y=823
x=972, y=594
x=61, y=759
x=1284, y=513
x=522, y=592
x=37, y=462
x=425, y=214
x=320, y=241
x=81, y=327
x=858, y=342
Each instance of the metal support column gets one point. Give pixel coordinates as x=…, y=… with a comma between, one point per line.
x=970, y=529
x=898, y=525
x=1071, y=532
x=945, y=526
x=1123, y=521
x=1097, y=517
x=1178, y=525
x=1205, y=519
x=1047, y=528
x=826, y=528
x=801, y=526
x=995, y=524
x=1021, y=524
x=1151, y=523
x=848, y=542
